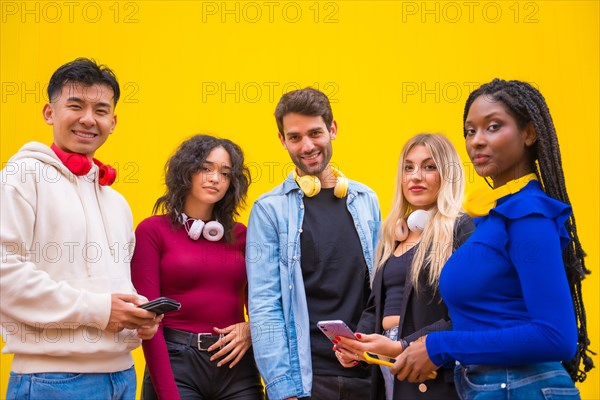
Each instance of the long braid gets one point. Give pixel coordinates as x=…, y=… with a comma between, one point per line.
x=527, y=104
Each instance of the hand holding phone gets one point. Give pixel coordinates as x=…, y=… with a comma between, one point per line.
x=334, y=328
x=161, y=305
x=380, y=359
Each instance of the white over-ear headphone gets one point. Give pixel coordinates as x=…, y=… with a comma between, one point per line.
x=416, y=222
x=211, y=230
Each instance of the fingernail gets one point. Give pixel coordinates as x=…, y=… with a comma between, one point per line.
x=355, y=362
x=358, y=335
x=333, y=348
x=337, y=338
x=335, y=341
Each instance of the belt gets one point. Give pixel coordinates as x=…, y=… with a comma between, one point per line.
x=199, y=341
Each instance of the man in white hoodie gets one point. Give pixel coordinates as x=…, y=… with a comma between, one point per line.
x=68, y=310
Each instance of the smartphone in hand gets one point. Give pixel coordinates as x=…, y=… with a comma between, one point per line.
x=161, y=305
x=380, y=359
x=334, y=328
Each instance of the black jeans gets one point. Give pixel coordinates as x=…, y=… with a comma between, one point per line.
x=326, y=387
x=198, y=378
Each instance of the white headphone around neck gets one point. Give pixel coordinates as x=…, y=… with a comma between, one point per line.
x=416, y=222
x=211, y=230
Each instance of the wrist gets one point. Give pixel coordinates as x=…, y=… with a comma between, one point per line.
x=403, y=343
x=396, y=348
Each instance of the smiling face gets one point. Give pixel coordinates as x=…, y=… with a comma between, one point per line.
x=420, y=178
x=209, y=185
x=308, y=141
x=82, y=117
x=496, y=145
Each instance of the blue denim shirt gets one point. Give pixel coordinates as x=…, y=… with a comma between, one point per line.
x=276, y=296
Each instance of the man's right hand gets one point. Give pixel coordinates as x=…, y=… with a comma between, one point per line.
x=125, y=313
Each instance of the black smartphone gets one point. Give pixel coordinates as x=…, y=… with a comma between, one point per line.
x=161, y=305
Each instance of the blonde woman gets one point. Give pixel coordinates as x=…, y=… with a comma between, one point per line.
x=424, y=227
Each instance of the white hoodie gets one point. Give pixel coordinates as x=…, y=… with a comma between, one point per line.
x=66, y=245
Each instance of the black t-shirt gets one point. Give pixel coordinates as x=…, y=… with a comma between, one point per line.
x=335, y=273
x=395, y=271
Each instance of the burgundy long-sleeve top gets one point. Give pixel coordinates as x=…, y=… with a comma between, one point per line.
x=207, y=278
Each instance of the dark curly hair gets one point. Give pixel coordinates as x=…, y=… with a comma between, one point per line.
x=187, y=161
x=527, y=105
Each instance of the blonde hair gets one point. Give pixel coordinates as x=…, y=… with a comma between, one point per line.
x=436, y=244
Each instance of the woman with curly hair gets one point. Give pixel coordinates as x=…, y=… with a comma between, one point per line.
x=193, y=252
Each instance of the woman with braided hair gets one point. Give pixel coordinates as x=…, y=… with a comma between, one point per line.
x=513, y=289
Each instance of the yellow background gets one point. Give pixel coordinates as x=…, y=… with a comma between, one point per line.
x=391, y=69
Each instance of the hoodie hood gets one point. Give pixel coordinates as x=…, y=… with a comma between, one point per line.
x=43, y=153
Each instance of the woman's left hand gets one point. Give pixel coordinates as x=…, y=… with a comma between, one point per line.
x=234, y=344
x=414, y=363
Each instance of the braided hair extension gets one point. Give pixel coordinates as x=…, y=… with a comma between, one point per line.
x=526, y=104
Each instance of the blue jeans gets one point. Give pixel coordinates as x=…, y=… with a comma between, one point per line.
x=49, y=386
x=544, y=381
x=388, y=378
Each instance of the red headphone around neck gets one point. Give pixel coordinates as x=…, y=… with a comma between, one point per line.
x=79, y=164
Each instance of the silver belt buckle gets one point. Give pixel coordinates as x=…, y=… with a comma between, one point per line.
x=200, y=335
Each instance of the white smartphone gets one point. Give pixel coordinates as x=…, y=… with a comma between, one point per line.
x=334, y=328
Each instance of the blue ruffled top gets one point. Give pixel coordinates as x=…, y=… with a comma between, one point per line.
x=506, y=287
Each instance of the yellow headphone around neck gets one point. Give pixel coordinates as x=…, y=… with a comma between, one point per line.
x=479, y=202
x=311, y=185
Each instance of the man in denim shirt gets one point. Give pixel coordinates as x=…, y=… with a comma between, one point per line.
x=309, y=257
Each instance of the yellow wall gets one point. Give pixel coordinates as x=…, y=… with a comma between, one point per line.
x=391, y=68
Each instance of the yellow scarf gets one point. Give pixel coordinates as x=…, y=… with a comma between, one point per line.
x=479, y=202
